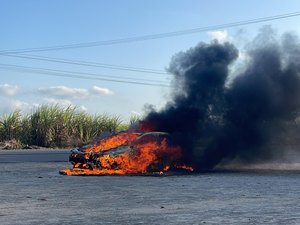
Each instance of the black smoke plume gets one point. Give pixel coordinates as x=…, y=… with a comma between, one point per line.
x=214, y=119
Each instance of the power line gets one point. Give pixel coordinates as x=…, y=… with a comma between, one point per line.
x=89, y=64
x=150, y=37
x=102, y=76
x=80, y=75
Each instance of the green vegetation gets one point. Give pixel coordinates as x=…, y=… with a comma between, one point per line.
x=54, y=126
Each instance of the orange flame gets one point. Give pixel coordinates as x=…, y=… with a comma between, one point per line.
x=146, y=156
x=119, y=139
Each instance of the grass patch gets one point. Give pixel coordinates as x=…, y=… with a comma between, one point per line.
x=55, y=126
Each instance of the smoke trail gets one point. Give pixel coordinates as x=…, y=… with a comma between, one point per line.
x=213, y=121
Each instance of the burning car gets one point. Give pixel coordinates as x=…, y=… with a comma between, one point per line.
x=126, y=153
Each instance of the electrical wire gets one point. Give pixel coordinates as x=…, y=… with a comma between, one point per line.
x=89, y=64
x=79, y=75
x=150, y=37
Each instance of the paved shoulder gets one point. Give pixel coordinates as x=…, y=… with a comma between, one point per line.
x=14, y=156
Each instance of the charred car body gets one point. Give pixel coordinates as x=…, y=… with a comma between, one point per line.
x=90, y=157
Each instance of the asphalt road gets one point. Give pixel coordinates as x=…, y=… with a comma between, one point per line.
x=18, y=156
x=32, y=192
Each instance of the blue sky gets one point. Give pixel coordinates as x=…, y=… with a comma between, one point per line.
x=30, y=24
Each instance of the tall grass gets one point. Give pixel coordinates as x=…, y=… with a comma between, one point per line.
x=54, y=126
x=10, y=126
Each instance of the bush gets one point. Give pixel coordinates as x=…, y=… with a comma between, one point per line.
x=54, y=126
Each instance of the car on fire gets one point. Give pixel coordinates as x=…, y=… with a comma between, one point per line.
x=87, y=157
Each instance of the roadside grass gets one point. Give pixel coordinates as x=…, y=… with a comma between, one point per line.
x=54, y=126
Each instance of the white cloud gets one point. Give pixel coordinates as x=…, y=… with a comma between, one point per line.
x=63, y=103
x=219, y=35
x=8, y=106
x=83, y=108
x=64, y=92
x=101, y=91
x=60, y=102
x=74, y=93
x=21, y=105
x=8, y=90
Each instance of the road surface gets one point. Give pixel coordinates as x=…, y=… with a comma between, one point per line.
x=32, y=192
x=18, y=156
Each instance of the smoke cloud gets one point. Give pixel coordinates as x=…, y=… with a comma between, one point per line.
x=215, y=121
